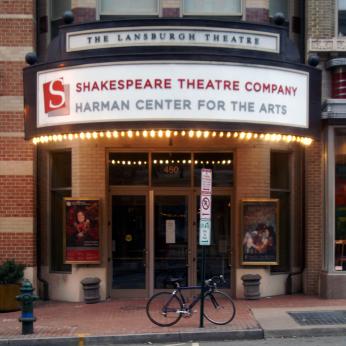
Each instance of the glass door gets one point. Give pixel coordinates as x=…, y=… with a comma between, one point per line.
x=129, y=255
x=171, y=225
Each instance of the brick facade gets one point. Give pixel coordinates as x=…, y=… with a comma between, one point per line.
x=313, y=217
x=320, y=18
x=17, y=236
x=17, y=200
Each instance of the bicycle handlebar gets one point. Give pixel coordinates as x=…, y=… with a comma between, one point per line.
x=215, y=280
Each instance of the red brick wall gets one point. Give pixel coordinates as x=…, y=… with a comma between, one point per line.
x=16, y=32
x=16, y=6
x=17, y=196
x=17, y=190
x=259, y=15
x=11, y=122
x=13, y=148
x=18, y=246
x=11, y=78
x=84, y=14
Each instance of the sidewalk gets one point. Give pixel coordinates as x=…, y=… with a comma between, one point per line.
x=125, y=321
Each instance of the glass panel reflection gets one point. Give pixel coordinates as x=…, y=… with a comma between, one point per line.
x=128, y=169
x=171, y=169
x=128, y=241
x=220, y=163
x=171, y=222
x=217, y=254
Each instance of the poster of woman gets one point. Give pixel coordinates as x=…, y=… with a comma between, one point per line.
x=259, y=232
x=82, y=230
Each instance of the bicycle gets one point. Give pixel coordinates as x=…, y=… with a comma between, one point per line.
x=166, y=309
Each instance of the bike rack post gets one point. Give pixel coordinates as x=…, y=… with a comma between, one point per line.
x=201, y=317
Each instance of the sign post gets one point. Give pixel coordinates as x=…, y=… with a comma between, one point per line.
x=204, y=228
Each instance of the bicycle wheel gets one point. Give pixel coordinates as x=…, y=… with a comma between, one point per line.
x=164, y=309
x=218, y=308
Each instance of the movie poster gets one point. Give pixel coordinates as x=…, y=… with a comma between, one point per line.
x=82, y=230
x=259, y=232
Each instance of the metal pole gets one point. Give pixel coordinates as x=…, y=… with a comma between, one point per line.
x=201, y=317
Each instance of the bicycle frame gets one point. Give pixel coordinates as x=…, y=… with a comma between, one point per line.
x=178, y=292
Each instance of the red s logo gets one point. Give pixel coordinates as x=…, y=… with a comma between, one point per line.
x=54, y=95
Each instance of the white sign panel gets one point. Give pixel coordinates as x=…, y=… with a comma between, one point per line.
x=205, y=207
x=170, y=231
x=206, y=181
x=170, y=36
x=172, y=92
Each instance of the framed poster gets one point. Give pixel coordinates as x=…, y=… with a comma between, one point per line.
x=259, y=231
x=81, y=230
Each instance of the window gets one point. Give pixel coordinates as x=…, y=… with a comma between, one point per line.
x=60, y=188
x=128, y=169
x=340, y=200
x=171, y=169
x=58, y=8
x=128, y=8
x=341, y=17
x=212, y=8
x=280, y=189
x=220, y=163
x=276, y=6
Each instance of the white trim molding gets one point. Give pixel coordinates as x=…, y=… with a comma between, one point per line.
x=334, y=44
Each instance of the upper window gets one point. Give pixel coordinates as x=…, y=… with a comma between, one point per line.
x=340, y=200
x=342, y=17
x=57, y=10
x=276, y=6
x=212, y=8
x=129, y=8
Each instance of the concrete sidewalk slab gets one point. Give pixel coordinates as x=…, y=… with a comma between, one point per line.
x=276, y=322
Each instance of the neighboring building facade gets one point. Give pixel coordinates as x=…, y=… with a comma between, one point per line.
x=326, y=31
x=132, y=180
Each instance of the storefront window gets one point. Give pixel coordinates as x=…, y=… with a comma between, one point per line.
x=171, y=169
x=127, y=8
x=128, y=169
x=220, y=163
x=212, y=8
x=60, y=188
x=341, y=17
x=340, y=200
x=276, y=6
x=280, y=189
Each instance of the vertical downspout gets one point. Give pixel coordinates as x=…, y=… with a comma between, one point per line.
x=44, y=283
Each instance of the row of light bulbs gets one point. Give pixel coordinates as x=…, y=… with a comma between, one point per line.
x=270, y=137
x=166, y=162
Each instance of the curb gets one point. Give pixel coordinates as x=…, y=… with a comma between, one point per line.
x=253, y=334
x=305, y=332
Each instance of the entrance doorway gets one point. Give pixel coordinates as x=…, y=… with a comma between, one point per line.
x=154, y=234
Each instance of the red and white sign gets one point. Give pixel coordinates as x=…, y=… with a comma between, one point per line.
x=205, y=207
x=56, y=97
x=218, y=92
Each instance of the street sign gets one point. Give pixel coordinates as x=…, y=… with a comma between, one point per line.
x=206, y=180
x=204, y=231
x=205, y=207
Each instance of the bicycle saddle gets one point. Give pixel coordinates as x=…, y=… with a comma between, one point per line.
x=175, y=280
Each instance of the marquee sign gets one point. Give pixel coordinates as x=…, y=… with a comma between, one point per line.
x=173, y=36
x=172, y=91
